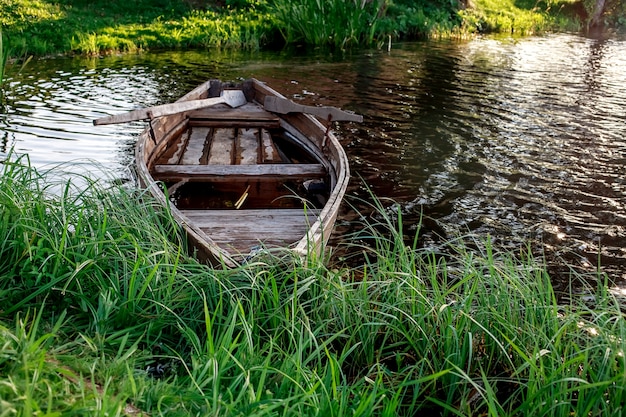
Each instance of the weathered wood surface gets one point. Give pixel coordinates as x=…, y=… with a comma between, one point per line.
x=284, y=106
x=195, y=146
x=247, y=146
x=249, y=116
x=243, y=230
x=224, y=172
x=222, y=147
x=270, y=152
x=247, y=112
x=200, y=144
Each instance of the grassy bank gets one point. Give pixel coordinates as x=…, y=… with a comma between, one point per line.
x=103, y=313
x=68, y=26
x=40, y=27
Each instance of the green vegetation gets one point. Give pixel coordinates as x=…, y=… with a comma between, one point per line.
x=90, y=27
x=5, y=67
x=4, y=57
x=103, y=313
x=612, y=15
x=94, y=27
x=335, y=22
x=525, y=17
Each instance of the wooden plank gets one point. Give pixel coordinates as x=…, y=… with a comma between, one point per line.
x=247, y=146
x=226, y=172
x=222, y=147
x=243, y=114
x=270, y=153
x=265, y=219
x=245, y=229
x=170, y=143
x=195, y=146
x=284, y=106
x=180, y=145
x=233, y=98
x=159, y=137
x=270, y=124
x=250, y=115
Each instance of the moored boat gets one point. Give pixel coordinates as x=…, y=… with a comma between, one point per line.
x=243, y=169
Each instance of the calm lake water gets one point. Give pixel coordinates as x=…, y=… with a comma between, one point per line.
x=523, y=140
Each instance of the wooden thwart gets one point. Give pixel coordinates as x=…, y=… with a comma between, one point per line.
x=229, y=172
x=233, y=115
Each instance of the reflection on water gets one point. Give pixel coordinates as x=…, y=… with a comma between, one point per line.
x=516, y=139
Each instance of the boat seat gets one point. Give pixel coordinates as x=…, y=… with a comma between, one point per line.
x=242, y=230
x=237, y=172
x=249, y=115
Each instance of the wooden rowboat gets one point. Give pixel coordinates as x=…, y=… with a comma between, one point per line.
x=239, y=177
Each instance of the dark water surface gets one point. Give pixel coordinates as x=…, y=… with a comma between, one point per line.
x=522, y=140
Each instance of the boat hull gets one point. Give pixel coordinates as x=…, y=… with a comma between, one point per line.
x=243, y=179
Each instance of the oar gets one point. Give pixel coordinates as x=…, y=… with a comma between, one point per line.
x=234, y=98
x=282, y=106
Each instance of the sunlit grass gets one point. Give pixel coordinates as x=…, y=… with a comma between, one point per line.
x=22, y=13
x=33, y=26
x=117, y=26
x=102, y=311
x=198, y=29
x=337, y=22
x=67, y=26
x=518, y=17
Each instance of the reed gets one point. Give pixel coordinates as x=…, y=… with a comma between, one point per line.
x=5, y=54
x=4, y=57
x=103, y=312
x=235, y=30
x=336, y=23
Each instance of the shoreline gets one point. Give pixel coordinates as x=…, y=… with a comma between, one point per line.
x=101, y=28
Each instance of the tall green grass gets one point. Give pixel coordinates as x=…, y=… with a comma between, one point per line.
x=99, y=27
x=247, y=29
x=4, y=57
x=334, y=22
x=103, y=312
x=4, y=68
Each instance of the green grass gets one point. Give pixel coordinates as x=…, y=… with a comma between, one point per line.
x=102, y=312
x=98, y=27
x=520, y=17
x=335, y=22
x=95, y=27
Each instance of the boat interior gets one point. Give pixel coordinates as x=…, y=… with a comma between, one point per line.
x=241, y=159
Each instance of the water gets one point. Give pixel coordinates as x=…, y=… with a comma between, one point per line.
x=522, y=140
